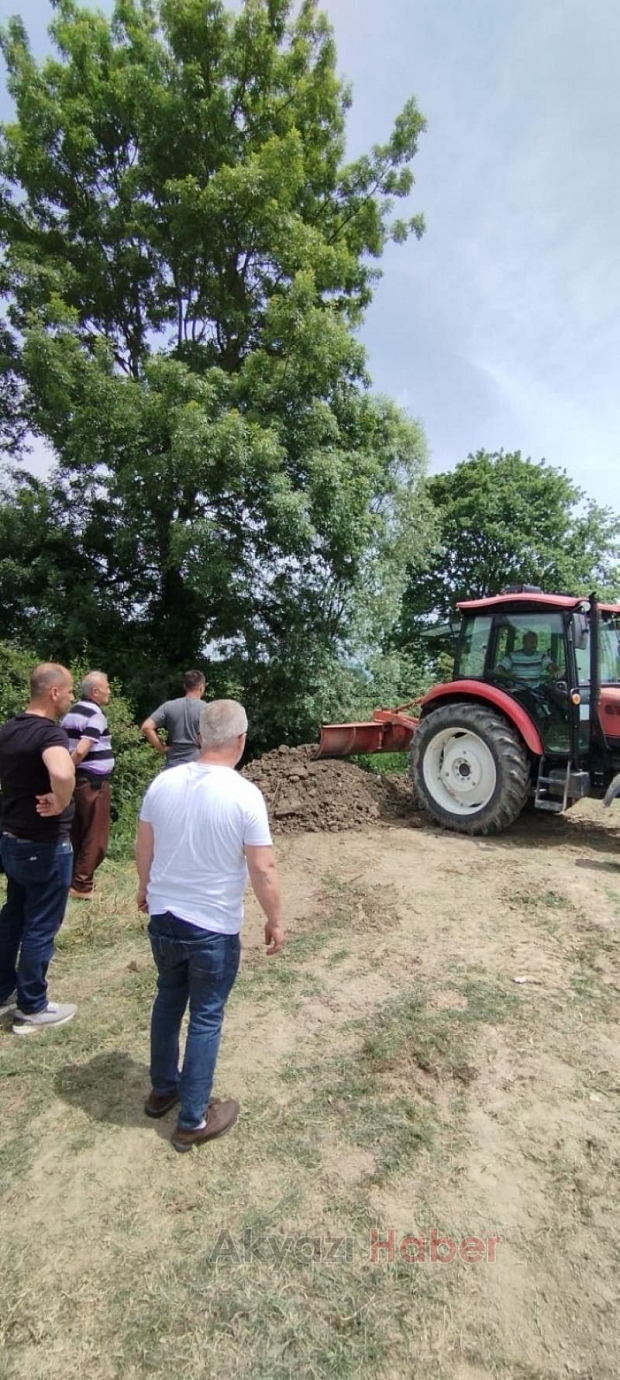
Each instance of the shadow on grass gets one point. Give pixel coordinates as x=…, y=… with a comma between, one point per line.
x=596, y=866
x=555, y=831
x=111, y=1088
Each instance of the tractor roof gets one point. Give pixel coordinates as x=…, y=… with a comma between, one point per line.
x=557, y=601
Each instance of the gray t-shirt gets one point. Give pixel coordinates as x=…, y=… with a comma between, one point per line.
x=181, y=719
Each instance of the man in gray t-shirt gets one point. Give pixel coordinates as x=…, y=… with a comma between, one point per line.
x=181, y=719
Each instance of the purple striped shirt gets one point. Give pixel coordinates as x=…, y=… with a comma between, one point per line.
x=86, y=720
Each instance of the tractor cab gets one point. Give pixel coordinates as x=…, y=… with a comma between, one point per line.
x=557, y=657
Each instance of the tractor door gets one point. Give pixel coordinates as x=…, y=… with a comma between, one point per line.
x=607, y=714
x=528, y=658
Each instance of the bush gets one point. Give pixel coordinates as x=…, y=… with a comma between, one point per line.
x=15, y=667
x=136, y=765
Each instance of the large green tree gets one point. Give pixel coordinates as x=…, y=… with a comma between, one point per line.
x=503, y=520
x=187, y=254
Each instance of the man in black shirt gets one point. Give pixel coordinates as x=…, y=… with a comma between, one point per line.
x=37, y=777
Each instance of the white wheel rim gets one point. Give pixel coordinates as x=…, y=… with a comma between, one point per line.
x=459, y=771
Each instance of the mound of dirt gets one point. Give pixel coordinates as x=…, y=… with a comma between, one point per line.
x=329, y=795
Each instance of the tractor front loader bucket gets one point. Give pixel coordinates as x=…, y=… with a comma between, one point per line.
x=389, y=730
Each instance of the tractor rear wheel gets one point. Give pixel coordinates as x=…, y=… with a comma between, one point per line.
x=470, y=769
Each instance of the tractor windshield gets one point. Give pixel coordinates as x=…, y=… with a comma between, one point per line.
x=526, y=647
x=530, y=648
x=523, y=654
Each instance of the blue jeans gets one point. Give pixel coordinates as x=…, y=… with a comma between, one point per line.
x=38, y=879
x=200, y=967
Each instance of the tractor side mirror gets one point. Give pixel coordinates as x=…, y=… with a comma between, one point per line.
x=581, y=634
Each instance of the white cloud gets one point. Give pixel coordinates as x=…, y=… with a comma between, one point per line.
x=503, y=325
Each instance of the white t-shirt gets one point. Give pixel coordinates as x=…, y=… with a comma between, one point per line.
x=202, y=815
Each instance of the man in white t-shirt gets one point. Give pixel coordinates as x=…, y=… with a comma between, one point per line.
x=202, y=828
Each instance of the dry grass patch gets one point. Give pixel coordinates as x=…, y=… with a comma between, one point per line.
x=392, y=1077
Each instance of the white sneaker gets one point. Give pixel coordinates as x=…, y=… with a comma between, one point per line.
x=6, y=1007
x=52, y=1015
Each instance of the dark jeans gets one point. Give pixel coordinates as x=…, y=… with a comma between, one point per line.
x=38, y=878
x=200, y=967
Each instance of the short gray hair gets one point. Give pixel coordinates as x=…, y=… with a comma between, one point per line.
x=221, y=721
x=90, y=680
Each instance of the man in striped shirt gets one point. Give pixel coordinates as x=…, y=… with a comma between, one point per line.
x=528, y=664
x=89, y=743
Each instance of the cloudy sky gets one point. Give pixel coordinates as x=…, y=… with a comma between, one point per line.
x=501, y=328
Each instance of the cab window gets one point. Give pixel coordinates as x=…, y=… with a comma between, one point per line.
x=472, y=650
x=530, y=646
x=610, y=651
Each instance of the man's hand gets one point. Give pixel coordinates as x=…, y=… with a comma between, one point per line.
x=48, y=805
x=145, y=845
x=264, y=878
x=81, y=750
x=274, y=938
x=150, y=733
x=62, y=780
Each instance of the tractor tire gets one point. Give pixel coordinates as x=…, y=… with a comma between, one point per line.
x=470, y=769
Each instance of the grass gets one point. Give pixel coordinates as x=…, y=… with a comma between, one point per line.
x=589, y=963
x=255, y=1256
x=186, y=1260
x=383, y=763
x=374, y=1086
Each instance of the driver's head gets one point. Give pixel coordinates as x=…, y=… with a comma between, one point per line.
x=530, y=643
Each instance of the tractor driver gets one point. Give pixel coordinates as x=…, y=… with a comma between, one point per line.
x=528, y=665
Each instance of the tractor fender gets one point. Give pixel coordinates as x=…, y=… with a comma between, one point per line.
x=487, y=694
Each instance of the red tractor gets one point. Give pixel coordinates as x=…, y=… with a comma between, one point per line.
x=532, y=714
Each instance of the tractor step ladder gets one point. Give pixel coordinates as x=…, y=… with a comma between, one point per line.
x=544, y=799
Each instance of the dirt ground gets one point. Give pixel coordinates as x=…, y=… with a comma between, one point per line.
x=435, y=1055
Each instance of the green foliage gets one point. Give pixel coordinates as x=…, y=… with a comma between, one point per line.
x=48, y=592
x=14, y=418
x=15, y=667
x=187, y=254
x=135, y=766
x=504, y=520
x=383, y=763
x=339, y=691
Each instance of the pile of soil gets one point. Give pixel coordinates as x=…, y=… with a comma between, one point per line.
x=304, y=794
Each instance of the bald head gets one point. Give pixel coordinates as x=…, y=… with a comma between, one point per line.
x=51, y=689
x=47, y=675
